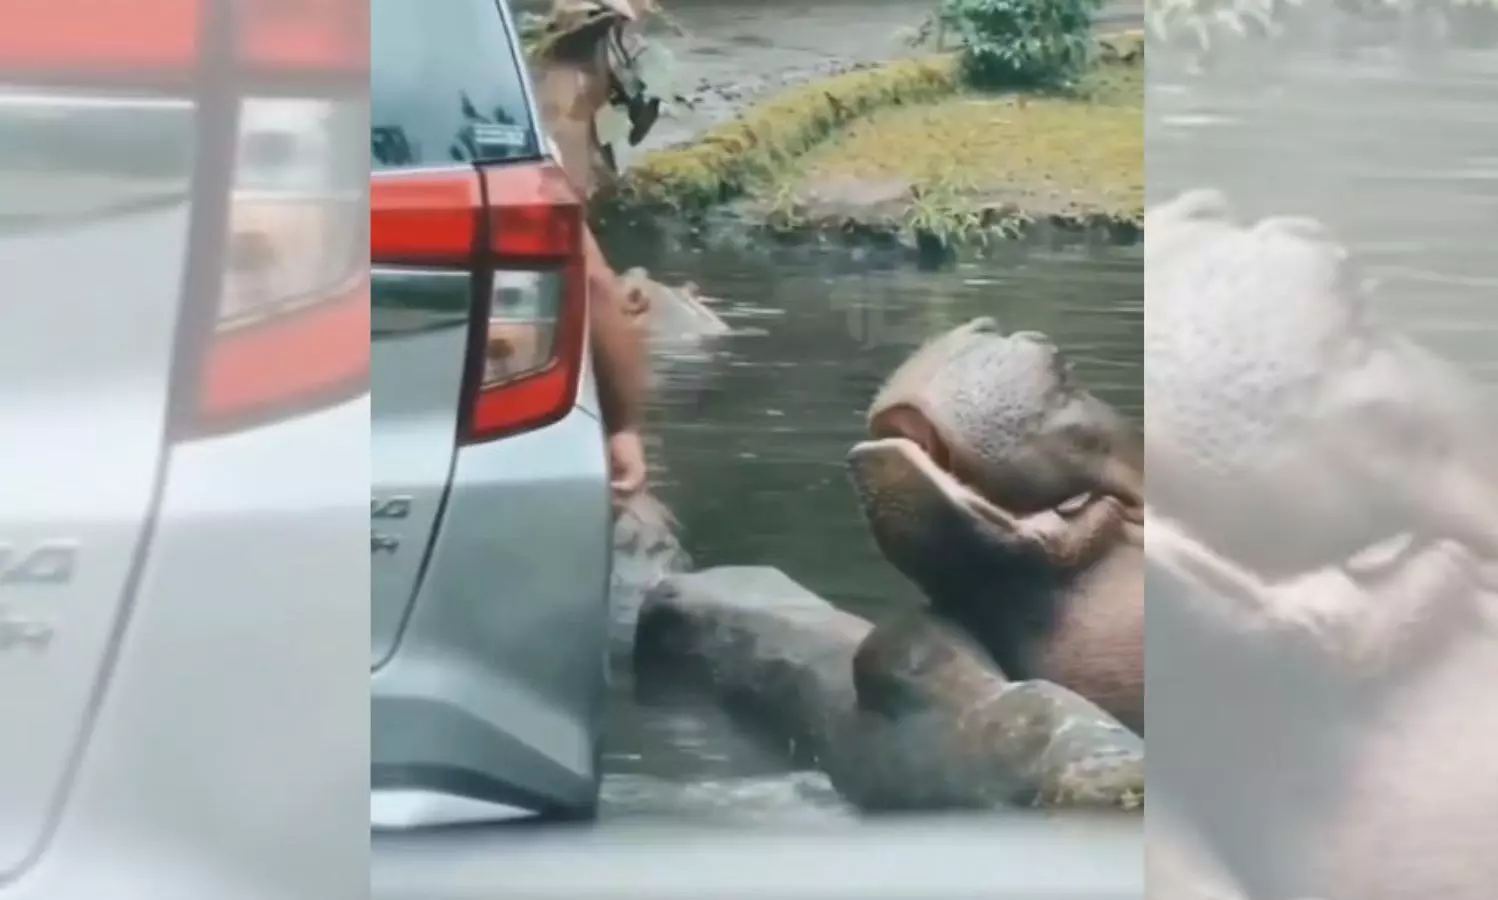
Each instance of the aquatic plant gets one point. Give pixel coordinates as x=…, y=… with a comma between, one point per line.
x=947, y=211
x=1019, y=43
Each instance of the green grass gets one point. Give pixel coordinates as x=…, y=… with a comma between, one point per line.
x=972, y=156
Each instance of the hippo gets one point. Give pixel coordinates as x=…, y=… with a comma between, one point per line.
x=1322, y=537
x=1013, y=499
x=906, y=715
x=1273, y=384
x=671, y=314
x=950, y=731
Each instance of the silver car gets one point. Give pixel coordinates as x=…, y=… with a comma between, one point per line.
x=183, y=434
x=491, y=521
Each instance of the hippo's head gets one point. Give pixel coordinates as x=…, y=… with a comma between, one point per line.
x=977, y=431
x=670, y=314
x=1287, y=426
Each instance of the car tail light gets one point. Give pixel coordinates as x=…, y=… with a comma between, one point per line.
x=291, y=331
x=301, y=36
x=519, y=229
x=84, y=39
x=535, y=310
x=276, y=309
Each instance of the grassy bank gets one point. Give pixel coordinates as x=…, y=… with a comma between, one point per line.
x=971, y=161
x=977, y=164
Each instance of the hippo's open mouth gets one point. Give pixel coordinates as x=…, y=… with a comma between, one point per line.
x=906, y=422
x=905, y=431
x=920, y=512
x=1002, y=415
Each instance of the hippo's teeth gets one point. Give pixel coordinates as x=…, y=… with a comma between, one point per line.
x=1379, y=556
x=1073, y=505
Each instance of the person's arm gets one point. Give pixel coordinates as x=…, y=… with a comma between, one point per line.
x=619, y=352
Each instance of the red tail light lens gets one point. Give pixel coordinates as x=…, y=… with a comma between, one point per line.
x=304, y=35
x=292, y=329
x=536, y=316
x=426, y=218
x=519, y=230
x=124, y=38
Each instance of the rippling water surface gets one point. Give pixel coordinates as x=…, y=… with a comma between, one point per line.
x=1402, y=160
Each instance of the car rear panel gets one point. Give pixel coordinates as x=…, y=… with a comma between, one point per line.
x=419, y=335
x=94, y=230
x=119, y=141
x=497, y=690
x=490, y=553
x=217, y=771
x=442, y=88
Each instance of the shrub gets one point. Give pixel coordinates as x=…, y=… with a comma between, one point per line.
x=1020, y=43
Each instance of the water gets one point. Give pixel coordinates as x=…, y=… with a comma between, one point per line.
x=1401, y=159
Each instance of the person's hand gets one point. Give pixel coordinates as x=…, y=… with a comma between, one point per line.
x=627, y=468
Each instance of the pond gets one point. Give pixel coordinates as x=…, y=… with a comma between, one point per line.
x=754, y=431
